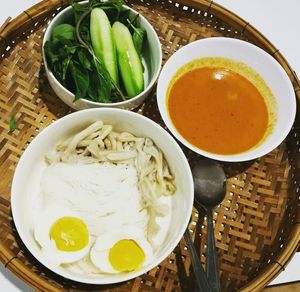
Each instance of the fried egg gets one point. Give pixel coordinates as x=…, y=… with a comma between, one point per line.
x=122, y=250
x=62, y=235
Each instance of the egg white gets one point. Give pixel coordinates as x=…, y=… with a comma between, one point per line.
x=48, y=246
x=100, y=251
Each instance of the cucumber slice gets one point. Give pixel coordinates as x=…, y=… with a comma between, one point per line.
x=129, y=62
x=103, y=43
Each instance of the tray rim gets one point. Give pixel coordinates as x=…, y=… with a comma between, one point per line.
x=38, y=11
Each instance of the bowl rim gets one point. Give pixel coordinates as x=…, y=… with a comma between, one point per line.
x=86, y=113
x=238, y=157
x=91, y=102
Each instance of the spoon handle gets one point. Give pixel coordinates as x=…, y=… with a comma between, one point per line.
x=212, y=266
x=200, y=275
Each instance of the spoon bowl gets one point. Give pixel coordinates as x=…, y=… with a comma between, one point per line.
x=209, y=183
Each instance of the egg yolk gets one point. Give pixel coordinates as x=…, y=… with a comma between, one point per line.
x=126, y=255
x=69, y=234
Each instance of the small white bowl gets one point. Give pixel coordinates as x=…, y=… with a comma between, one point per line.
x=26, y=182
x=261, y=62
x=152, y=60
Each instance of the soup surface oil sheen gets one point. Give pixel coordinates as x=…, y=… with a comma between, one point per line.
x=220, y=106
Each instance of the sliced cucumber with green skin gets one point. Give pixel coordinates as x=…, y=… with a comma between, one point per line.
x=103, y=43
x=129, y=62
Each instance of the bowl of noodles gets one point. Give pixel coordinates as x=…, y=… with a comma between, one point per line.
x=107, y=195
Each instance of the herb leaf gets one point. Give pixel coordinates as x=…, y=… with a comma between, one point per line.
x=103, y=76
x=78, y=10
x=63, y=32
x=84, y=59
x=80, y=78
x=138, y=38
x=12, y=124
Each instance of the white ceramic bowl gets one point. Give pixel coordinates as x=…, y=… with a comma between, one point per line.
x=152, y=60
x=266, y=66
x=26, y=182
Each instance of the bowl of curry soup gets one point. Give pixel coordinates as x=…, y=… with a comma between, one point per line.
x=226, y=99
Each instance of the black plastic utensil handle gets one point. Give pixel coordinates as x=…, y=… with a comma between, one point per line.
x=200, y=275
x=212, y=265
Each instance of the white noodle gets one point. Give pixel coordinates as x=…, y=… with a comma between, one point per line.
x=99, y=143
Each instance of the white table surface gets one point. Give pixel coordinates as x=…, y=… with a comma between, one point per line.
x=278, y=20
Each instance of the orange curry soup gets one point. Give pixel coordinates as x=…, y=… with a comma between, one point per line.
x=217, y=109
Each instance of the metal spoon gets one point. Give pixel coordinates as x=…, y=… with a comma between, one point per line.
x=210, y=189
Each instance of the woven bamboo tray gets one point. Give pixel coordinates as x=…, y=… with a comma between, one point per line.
x=257, y=226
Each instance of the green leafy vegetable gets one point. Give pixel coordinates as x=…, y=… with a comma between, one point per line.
x=81, y=79
x=12, y=124
x=138, y=38
x=78, y=10
x=63, y=33
x=84, y=60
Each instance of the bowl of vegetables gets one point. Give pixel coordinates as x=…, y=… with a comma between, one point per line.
x=101, y=54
